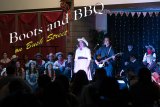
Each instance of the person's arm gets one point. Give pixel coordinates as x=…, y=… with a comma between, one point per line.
x=144, y=59
x=98, y=52
x=23, y=73
x=89, y=57
x=55, y=65
x=154, y=57
x=76, y=55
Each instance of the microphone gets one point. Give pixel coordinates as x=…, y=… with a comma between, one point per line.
x=96, y=46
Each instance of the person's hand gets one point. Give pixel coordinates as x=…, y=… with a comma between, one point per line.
x=113, y=57
x=121, y=72
x=96, y=62
x=67, y=68
x=126, y=63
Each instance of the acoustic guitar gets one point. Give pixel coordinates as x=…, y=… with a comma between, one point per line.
x=101, y=62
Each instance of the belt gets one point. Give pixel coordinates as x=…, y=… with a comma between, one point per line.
x=82, y=58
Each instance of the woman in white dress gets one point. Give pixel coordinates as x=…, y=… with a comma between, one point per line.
x=83, y=57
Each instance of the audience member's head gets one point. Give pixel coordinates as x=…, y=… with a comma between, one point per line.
x=81, y=77
x=54, y=94
x=17, y=86
x=20, y=100
x=10, y=70
x=79, y=81
x=144, y=75
x=99, y=74
x=63, y=80
x=43, y=81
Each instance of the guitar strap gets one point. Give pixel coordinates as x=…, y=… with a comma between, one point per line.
x=109, y=51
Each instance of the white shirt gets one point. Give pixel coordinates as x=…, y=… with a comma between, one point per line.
x=149, y=58
x=85, y=52
x=58, y=65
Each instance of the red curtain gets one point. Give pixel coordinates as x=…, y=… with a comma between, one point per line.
x=27, y=23
x=7, y=25
x=57, y=43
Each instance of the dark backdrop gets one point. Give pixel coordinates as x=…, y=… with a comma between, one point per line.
x=139, y=31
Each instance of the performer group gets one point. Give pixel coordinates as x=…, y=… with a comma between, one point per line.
x=104, y=57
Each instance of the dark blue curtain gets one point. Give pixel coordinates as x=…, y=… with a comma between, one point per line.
x=139, y=31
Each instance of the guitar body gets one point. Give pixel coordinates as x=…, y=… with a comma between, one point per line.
x=99, y=61
x=104, y=61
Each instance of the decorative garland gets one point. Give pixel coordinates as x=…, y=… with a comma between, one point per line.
x=66, y=8
x=66, y=5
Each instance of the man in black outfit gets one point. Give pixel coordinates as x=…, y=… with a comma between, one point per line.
x=130, y=51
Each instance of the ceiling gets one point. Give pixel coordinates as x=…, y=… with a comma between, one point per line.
x=153, y=6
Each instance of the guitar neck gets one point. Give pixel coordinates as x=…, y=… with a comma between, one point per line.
x=111, y=57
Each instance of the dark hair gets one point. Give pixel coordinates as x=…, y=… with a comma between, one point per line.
x=43, y=81
x=133, y=55
x=144, y=74
x=34, y=70
x=70, y=53
x=10, y=69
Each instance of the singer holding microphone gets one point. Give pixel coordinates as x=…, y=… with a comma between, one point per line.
x=83, y=58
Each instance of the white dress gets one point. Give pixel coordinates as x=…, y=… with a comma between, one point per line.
x=82, y=61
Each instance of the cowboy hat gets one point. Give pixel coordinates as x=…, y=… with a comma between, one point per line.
x=14, y=57
x=38, y=54
x=59, y=53
x=50, y=54
x=49, y=62
x=83, y=39
x=31, y=61
x=150, y=46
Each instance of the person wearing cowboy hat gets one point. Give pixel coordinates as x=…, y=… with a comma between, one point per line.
x=32, y=75
x=83, y=57
x=149, y=58
x=50, y=57
x=49, y=70
x=104, y=52
x=59, y=64
x=40, y=63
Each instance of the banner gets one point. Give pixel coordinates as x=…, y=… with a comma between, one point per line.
x=54, y=31
x=7, y=25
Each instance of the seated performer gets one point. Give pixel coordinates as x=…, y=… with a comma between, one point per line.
x=49, y=70
x=5, y=60
x=69, y=66
x=156, y=74
x=126, y=56
x=131, y=70
x=59, y=64
x=149, y=58
x=40, y=63
x=133, y=65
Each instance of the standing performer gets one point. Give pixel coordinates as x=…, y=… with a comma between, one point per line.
x=149, y=58
x=102, y=54
x=83, y=58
